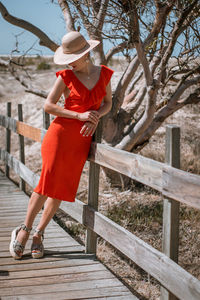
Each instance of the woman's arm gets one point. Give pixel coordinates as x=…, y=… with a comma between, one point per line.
x=51, y=107
x=89, y=128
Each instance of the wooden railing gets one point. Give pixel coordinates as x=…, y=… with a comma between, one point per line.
x=175, y=185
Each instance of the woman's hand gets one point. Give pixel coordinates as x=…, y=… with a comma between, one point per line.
x=89, y=116
x=88, y=129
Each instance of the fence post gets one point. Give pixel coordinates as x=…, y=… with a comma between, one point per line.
x=93, y=193
x=21, y=147
x=170, y=242
x=8, y=138
x=46, y=120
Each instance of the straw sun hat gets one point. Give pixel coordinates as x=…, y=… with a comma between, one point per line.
x=73, y=47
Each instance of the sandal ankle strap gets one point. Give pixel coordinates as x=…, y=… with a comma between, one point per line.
x=40, y=232
x=24, y=227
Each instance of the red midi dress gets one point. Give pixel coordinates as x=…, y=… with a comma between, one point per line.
x=64, y=150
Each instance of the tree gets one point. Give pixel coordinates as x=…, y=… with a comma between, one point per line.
x=156, y=83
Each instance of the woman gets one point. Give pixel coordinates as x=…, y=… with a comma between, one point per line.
x=65, y=147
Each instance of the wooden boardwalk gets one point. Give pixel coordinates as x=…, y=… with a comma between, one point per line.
x=65, y=272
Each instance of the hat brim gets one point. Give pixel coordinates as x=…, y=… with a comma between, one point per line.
x=61, y=58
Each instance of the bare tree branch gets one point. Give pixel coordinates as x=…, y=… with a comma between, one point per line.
x=133, y=106
x=69, y=21
x=114, y=50
x=101, y=14
x=159, y=22
x=178, y=28
x=171, y=105
x=84, y=17
x=139, y=47
x=44, y=39
x=28, y=87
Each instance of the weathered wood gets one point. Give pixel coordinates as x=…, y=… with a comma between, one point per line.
x=75, y=294
x=54, y=271
x=8, y=138
x=173, y=183
x=46, y=120
x=49, y=243
x=59, y=287
x=114, y=234
x=51, y=251
x=21, y=148
x=142, y=169
x=181, y=186
x=167, y=272
x=137, y=167
x=93, y=193
x=8, y=123
x=19, y=168
x=29, y=131
x=55, y=263
x=64, y=270
x=22, y=128
x=74, y=209
x=49, y=260
x=170, y=241
x=93, y=188
x=75, y=274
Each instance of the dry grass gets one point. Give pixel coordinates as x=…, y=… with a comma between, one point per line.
x=138, y=209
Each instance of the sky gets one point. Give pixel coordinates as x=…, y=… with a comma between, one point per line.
x=41, y=13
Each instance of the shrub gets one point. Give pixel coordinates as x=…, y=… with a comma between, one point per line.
x=43, y=66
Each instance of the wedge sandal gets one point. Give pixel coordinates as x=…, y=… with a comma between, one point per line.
x=15, y=246
x=37, y=250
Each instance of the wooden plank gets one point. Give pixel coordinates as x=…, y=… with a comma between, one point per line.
x=29, y=131
x=50, y=251
x=22, y=184
x=8, y=139
x=54, y=271
x=33, y=133
x=167, y=272
x=8, y=123
x=53, y=279
x=51, y=259
x=176, y=184
x=46, y=120
x=181, y=186
x=49, y=264
x=74, y=209
x=59, y=287
x=137, y=167
x=20, y=169
x=93, y=195
x=75, y=294
x=170, y=238
x=48, y=244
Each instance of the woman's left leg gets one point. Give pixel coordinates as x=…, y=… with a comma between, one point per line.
x=50, y=208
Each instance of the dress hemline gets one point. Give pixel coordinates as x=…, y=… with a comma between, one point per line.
x=53, y=197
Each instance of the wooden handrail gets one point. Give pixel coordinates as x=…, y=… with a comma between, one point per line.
x=171, y=182
x=22, y=128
